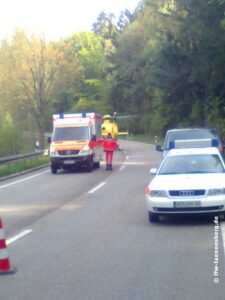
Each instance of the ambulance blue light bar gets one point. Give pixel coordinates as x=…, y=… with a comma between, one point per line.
x=181, y=144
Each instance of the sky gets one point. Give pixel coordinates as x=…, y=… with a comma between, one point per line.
x=56, y=18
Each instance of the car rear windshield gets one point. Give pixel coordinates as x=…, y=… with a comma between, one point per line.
x=190, y=135
x=189, y=164
x=71, y=133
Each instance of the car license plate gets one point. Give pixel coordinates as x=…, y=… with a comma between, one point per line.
x=69, y=162
x=187, y=204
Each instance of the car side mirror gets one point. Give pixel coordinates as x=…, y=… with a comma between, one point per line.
x=159, y=148
x=153, y=171
x=49, y=140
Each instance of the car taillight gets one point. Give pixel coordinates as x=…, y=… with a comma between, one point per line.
x=221, y=148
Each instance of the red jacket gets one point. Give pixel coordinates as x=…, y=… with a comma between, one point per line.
x=109, y=145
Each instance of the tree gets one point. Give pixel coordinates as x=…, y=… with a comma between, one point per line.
x=125, y=18
x=169, y=62
x=10, y=136
x=92, y=51
x=35, y=71
x=105, y=26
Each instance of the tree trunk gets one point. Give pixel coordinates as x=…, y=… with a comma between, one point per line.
x=41, y=131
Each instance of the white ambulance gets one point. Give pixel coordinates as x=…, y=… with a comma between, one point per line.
x=76, y=141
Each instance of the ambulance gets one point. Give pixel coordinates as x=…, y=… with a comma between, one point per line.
x=76, y=141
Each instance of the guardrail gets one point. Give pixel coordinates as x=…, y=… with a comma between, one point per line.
x=18, y=157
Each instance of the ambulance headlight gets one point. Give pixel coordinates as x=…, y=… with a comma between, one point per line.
x=85, y=150
x=53, y=152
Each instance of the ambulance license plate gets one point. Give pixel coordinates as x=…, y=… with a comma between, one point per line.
x=69, y=162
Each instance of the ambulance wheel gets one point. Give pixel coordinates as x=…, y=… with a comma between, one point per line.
x=90, y=165
x=97, y=164
x=54, y=169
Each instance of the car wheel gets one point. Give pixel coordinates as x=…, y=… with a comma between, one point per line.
x=54, y=169
x=153, y=218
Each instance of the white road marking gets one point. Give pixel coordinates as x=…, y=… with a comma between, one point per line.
x=21, y=180
x=96, y=188
x=138, y=163
x=18, y=236
x=122, y=168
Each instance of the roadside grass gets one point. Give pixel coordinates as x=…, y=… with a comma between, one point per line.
x=143, y=138
x=20, y=166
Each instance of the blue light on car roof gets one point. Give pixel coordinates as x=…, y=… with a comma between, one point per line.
x=61, y=116
x=195, y=143
x=172, y=145
x=215, y=143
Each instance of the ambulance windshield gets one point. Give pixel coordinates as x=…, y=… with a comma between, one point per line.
x=71, y=133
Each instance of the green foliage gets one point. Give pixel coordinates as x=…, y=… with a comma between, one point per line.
x=11, y=140
x=169, y=65
x=163, y=64
x=105, y=27
x=86, y=105
x=217, y=113
x=92, y=51
x=33, y=72
x=16, y=167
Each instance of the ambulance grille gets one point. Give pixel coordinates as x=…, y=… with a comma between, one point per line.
x=68, y=152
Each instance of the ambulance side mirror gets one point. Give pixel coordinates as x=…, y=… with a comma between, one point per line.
x=93, y=138
x=49, y=140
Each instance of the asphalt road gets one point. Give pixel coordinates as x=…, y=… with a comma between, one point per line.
x=89, y=238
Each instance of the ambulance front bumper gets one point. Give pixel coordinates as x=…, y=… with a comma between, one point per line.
x=70, y=161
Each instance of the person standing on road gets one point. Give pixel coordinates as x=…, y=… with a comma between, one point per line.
x=109, y=146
